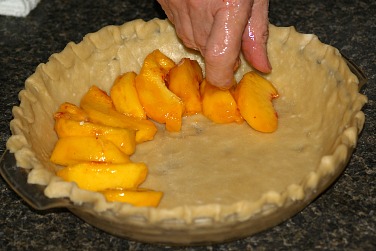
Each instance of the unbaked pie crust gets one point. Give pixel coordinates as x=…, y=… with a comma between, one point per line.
x=216, y=179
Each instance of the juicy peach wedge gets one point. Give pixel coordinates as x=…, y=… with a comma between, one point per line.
x=95, y=176
x=184, y=80
x=254, y=95
x=97, y=97
x=70, y=111
x=96, y=104
x=139, y=197
x=159, y=102
x=73, y=150
x=124, y=139
x=125, y=98
x=219, y=105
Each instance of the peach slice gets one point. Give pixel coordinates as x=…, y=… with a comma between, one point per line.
x=184, y=80
x=101, y=176
x=219, y=105
x=98, y=97
x=96, y=104
x=254, y=95
x=124, y=139
x=73, y=150
x=139, y=197
x=125, y=98
x=159, y=102
x=71, y=111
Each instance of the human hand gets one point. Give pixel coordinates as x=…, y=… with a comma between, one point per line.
x=220, y=29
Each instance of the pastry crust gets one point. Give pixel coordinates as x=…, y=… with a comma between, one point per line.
x=319, y=111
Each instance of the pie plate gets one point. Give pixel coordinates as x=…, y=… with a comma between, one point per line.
x=220, y=182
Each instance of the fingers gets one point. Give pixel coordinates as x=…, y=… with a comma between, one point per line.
x=202, y=18
x=224, y=42
x=220, y=29
x=178, y=13
x=255, y=37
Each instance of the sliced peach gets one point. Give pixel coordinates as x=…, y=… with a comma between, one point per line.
x=254, y=95
x=124, y=139
x=95, y=176
x=73, y=150
x=125, y=98
x=96, y=96
x=159, y=102
x=145, y=129
x=184, y=80
x=71, y=111
x=95, y=103
x=139, y=197
x=219, y=105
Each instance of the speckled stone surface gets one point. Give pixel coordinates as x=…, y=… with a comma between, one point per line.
x=342, y=218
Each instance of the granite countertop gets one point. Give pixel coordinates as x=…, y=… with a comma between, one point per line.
x=342, y=218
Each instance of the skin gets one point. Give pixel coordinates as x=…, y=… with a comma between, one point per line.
x=221, y=30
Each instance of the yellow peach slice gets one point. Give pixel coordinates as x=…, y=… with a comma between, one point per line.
x=71, y=111
x=101, y=176
x=139, y=197
x=145, y=129
x=254, y=95
x=159, y=102
x=95, y=103
x=96, y=96
x=125, y=98
x=219, y=105
x=73, y=150
x=124, y=139
x=184, y=80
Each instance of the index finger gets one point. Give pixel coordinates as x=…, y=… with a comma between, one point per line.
x=224, y=42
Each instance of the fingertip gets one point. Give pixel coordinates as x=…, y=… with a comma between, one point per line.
x=224, y=44
x=220, y=77
x=254, y=48
x=220, y=83
x=255, y=37
x=259, y=61
x=255, y=53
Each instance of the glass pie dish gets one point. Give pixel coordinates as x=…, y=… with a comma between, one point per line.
x=270, y=177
